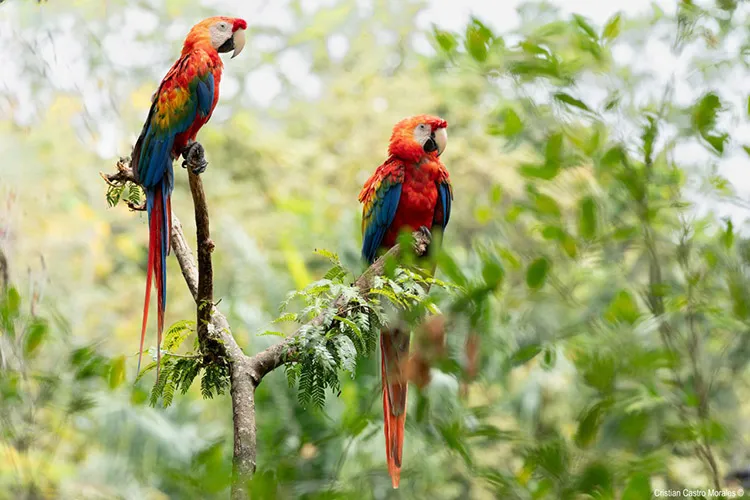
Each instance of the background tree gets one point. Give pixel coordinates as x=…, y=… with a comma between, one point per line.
x=602, y=291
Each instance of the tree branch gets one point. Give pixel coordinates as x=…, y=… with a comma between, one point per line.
x=268, y=360
x=218, y=345
x=4, y=274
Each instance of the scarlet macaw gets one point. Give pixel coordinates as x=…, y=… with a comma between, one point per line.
x=181, y=106
x=410, y=190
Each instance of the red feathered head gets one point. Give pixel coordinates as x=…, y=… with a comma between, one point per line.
x=223, y=34
x=418, y=136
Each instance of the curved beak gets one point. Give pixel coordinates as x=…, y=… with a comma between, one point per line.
x=238, y=41
x=441, y=138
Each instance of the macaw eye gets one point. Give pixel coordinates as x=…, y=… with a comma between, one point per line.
x=223, y=26
x=422, y=126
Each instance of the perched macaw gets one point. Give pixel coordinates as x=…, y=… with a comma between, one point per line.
x=410, y=190
x=181, y=106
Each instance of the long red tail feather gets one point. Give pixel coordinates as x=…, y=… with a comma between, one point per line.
x=149, y=272
x=394, y=347
x=160, y=213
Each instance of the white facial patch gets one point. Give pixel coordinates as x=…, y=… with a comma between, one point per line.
x=422, y=133
x=220, y=33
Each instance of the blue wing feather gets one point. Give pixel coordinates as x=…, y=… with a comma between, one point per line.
x=380, y=218
x=444, y=190
x=205, y=91
x=154, y=148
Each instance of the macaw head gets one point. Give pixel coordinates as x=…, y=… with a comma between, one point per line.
x=223, y=34
x=419, y=136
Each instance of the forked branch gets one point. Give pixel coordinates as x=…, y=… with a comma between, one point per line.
x=218, y=345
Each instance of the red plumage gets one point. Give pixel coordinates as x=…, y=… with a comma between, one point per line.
x=183, y=103
x=410, y=190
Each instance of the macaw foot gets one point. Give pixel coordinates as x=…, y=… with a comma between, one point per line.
x=195, y=157
x=137, y=208
x=422, y=240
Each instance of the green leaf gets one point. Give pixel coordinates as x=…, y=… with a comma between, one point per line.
x=553, y=150
x=483, y=214
x=623, y=308
x=116, y=372
x=550, y=458
x=612, y=28
x=549, y=358
x=509, y=257
x=717, y=141
x=587, y=218
x=446, y=40
x=638, y=488
x=582, y=23
x=512, y=124
x=613, y=157
x=589, y=423
x=612, y=101
x=331, y=256
x=351, y=324
x=114, y=193
x=451, y=269
x=525, y=354
x=546, y=172
x=35, y=334
x=536, y=274
x=284, y=318
x=492, y=433
x=336, y=274
x=727, y=236
x=134, y=194
x=546, y=205
x=553, y=233
x=149, y=367
x=477, y=40
x=346, y=352
x=509, y=124
x=648, y=136
x=496, y=194
x=453, y=437
x=272, y=333
x=177, y=333
x=597, y=477
x=571, y=101
x=599, y=372
x=705, y=113
x=570, y=246
x=680, y=433
x=492, y=271
x=738, y=293
x=10, y=305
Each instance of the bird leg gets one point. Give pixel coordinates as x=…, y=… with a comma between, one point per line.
x=195, y=157
x=137, y=208
x=422, y=240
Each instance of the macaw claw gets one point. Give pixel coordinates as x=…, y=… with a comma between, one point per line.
x=195, y=157
x=137, y=207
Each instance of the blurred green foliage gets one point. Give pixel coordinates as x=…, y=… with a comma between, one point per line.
x=596, y=345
